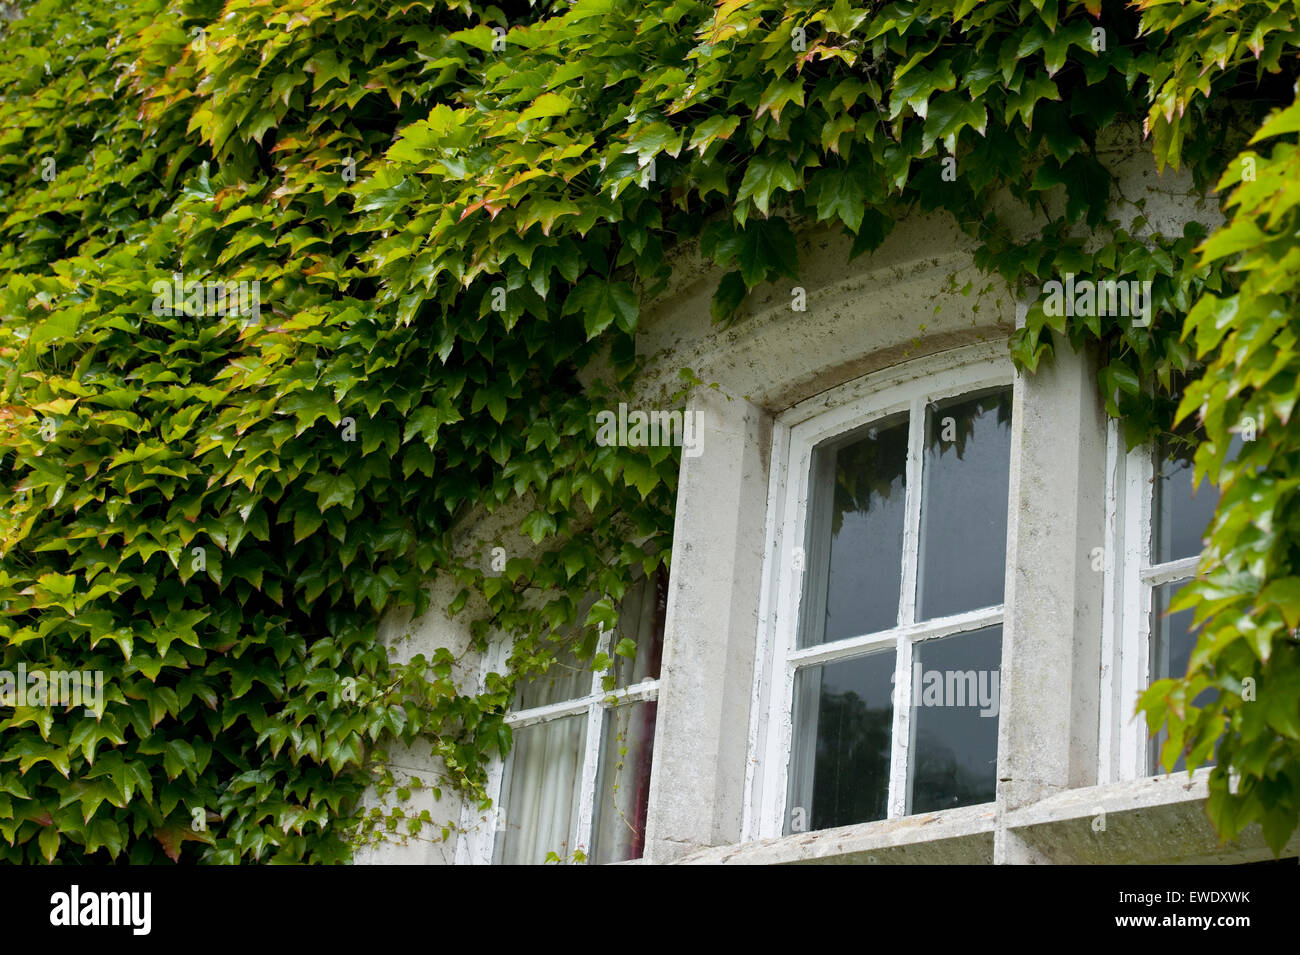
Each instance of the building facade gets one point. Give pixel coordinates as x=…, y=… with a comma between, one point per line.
x=914, y=595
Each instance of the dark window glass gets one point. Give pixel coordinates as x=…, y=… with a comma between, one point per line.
x=844, y=715
x=1181, y=513
x=859, y=491
x=956, y=688
x=1172, y=643
x=964, y=507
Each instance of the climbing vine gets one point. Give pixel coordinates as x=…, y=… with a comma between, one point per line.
x=444, y=220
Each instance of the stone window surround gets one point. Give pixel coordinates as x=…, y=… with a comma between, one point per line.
x=1056, y=802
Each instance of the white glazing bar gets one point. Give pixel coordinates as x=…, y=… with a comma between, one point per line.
x=925, y=630
x=897, y=805
x=1183, y=569
x=590, y=765
x=645, y=690
x=850, y=646
x=957, y=623
x=551, y=711
x=912, y=513
x=906, y=611
x=636, y=693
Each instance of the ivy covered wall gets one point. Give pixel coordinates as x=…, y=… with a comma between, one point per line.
x=450, y=211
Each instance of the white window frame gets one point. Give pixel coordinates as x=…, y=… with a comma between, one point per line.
x=477, y=843
x=907, y=387
x=1130, y=582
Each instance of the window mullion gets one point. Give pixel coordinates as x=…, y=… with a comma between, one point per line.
x=906, y=613
x=590, y=765
x=902, y=729
x=912, y=506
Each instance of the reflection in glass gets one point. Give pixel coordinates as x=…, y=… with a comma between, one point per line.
x=964, y=508
x=1172, y=643
x=860, y=577
x=839, y=769
x=623, y=785
x=1180, y=513
x=542, y=783
x=956, y=691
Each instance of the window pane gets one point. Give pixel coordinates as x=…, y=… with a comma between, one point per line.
x=858, y=490
x=1181, y=514
x=623, y=785
x=567, y=678
x=1172, y=643
x=641, y=620
x=956, y=689
x=544, y=776
x=843, y=727
x=964, y=509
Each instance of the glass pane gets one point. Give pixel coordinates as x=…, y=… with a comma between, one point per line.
x=956, y=688
x=541, y=787
x=641, y=620
x=1180, y=513
x=964, y=509
x=858, y=494
x=567, y=678
x=623, y=784
x=843, y=727
x=1172, y=643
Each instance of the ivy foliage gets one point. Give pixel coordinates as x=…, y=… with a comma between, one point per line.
x=455, y=214
x=1247, y=595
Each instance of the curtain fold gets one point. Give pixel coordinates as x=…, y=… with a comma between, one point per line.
x=545, y=777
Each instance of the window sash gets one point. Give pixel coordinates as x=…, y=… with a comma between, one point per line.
x=479, y=835
x=1130, y=584
x=908, y=388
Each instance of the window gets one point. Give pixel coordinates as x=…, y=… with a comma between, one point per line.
x=887, y=558
x=1159, y=520
x=574, y=786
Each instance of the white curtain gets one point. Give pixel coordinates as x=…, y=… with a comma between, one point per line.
x=544, y=776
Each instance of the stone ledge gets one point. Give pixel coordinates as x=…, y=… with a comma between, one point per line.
x=954, y=837
x=1160, y=820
